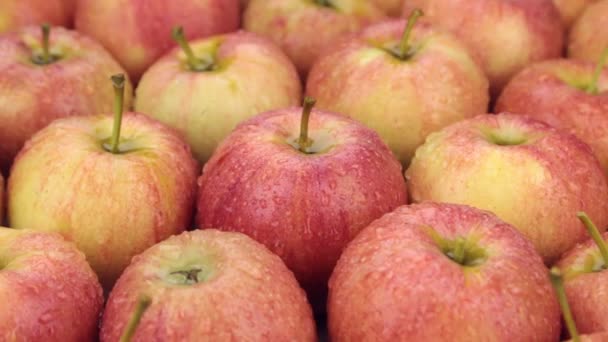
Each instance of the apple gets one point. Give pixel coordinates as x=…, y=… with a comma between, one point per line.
x=302, y=188
x=585, y=269
x=505, y=35
x=236, y=75
x=138, y=32
x=1, y=199
x=47, y=290
x=570, y=10
x=528, y=173
x=441, y=272
x=302, y=28
x=390, y=7
x=114, y=187
x=589, y=34
x=566, y=94
x=208, y=285
x=48, y=75
x=403, y=83
x=16, y=14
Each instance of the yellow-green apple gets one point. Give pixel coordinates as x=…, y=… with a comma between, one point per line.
x=390, y=7
x=209, y=286
x=566, y=93
x=441, y=272
x=304, y=189
x=137, y=32
x=48, y=75
x=405, y=84
x=234, y=77
x=302, y=28
x=585, y=270
x=528, y=173
x=589, y=34
x=506, y=35
x=16, y=14
x=47, y=290
x=114, y=194
x=570, y=9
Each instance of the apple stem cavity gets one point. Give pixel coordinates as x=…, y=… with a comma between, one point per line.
x=404, y=51
x=304, y=141
x=595, y=235
x=142, y=305
x=557, y=281
x=459, y=253
x=593, y=86
x=194, y=63
x=118, y=82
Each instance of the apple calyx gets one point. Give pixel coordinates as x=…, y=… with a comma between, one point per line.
x=113, y=146
x=404, y=50
x=46, y=57
x=593, y=87
x=557, y=280
x=140, y=308
x=460, y=250
x=186, y=277
x=194, y=63
x=597, y=238
x=303, y=142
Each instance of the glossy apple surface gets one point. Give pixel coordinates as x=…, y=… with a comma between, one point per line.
x=138, y=32
x=403, y=99
x=305, y=207
x=47, y=290
x=556, y=92
x=248, y=75
x=302, y=28
x=15, y=14
x=33, y=95
x=531, y=175
x=506, y=35
x=403, y=279
x=213, y=286
x=589, y=34
x=113, y=206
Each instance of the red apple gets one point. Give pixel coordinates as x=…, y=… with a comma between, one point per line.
x=585, y=269
x=304, y=193
x=404, y=88
x=506, y=35
x=113, y=194
x=15, y=14
x=441, y=272
x=304, y=27
x=589, y=34
x=237, y=76
x=35, y=90
x=137, y=32
x=47, y=290
x=566, y=94
x=528, y=173
x=210, y=286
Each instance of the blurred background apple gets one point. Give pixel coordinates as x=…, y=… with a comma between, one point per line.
x=570, y=10
x=15, y=14
x=589, y=34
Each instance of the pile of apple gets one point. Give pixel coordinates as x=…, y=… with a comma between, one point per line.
x=296, y=170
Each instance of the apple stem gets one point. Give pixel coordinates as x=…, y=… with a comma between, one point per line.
x=118, y=81
x=595, y=235
x=557, y=281
x=404, y=45
x=459, y=250
x=142, y=305
x=593, y=87
x=195, y=63
x=46, y=33
x=304, y=142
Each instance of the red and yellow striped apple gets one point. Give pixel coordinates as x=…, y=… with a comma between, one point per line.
x=589, y=35
x=47, y=290
x=114, y=194
x=302, y=28
x=205, y=90
x=16, y=14
x=441, y=272
x=528, y=173
x=209, y=286
x=506, y=35
x=302, y=189
x=48, y=75
x=404, y=88
x=138, y=32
